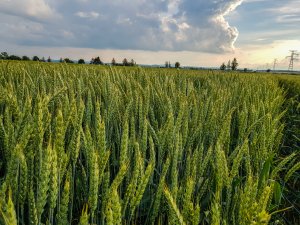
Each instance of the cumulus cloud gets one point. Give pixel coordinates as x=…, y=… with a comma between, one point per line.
x=208, y=27
x=131, y=24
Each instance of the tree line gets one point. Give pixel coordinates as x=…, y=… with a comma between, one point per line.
x=168, y=64
x=230, y=65
x=96, y=60
x=6, y=56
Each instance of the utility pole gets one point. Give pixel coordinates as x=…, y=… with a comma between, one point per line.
x=293, y=57
x=274, y=64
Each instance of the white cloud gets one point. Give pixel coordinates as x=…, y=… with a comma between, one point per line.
x=37, y=9
x=293, y=18
x=124, y=21
x=288, y=7
x=288, y=12
x=88, y=15
x=208, y=29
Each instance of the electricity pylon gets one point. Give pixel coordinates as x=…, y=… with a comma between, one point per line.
x=293, y=57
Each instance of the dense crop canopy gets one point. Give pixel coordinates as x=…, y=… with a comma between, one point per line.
x=98, y=145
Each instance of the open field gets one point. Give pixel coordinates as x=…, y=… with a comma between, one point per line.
x=87, y=144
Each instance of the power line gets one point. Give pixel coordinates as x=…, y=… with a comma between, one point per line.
x=293, y=57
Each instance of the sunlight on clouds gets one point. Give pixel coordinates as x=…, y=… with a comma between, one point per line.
x=262, y=54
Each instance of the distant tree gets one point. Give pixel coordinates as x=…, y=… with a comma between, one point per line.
x=125, y=62
x=234, y=64
x=268, y=70
x=167, y=64
x=4, y=55
x=43, y=59
x=113, y=62
x=67, y=60
x=96, y=61
x=35, y=58
x=25, y=58
x=81, y=61
x=61, y=60
x=14, y=57
x=177, y=65
x=228, y=67
x=49, y=59
x=223, y=66
x=132, y=62
x=245, y=70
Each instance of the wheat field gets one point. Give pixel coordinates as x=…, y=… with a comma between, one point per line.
x=87, y=144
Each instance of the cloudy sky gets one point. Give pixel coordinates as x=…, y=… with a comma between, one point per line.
x=193, y=32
